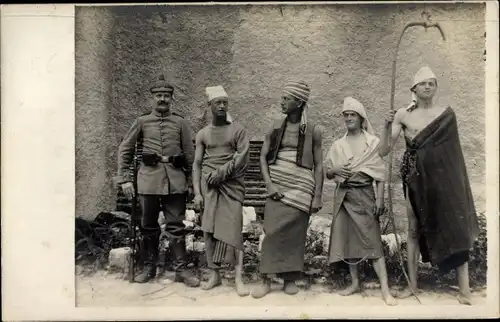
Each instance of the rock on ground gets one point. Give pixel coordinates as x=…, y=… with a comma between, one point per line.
x=119, y=258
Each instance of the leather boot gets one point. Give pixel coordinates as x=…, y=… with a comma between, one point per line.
x=182, y=273
x=151, y=244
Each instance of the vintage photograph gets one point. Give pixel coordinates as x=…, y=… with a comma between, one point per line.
x=280, y=154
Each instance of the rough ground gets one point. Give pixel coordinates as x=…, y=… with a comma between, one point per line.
x=108, y=290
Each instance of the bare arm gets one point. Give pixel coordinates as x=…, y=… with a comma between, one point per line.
x=379, y=202
x=242, y=147
x=318, y=164
x=391, y=133
x=330, y=170
x=264, y=167
x=198, y=158
x=126, y=154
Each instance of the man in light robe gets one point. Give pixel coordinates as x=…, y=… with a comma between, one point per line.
x=442, y=219
x=354, y=163
x=220, y=162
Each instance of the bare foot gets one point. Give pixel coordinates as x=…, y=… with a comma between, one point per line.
x=388, y=299
x=354, y=288
x=240, y=288
x=213, y=281
x=464, y=299
x=262, y=290
x=290, y=288
x=406, y=293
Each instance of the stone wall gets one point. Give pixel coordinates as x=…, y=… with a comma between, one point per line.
x=252, y=51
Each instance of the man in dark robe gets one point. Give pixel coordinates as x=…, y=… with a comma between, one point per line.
x=442, y=219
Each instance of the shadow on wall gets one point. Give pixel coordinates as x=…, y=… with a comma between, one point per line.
x=252, y=50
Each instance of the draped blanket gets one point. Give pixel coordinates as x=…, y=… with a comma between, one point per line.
x=369, y=163
x=223, y=202
x=355, y=232
x=294, y=182
x=440, y=193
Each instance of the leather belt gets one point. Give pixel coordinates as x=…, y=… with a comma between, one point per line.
x=166, y=159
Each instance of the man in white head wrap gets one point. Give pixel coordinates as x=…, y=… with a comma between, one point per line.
x=220, y=162
x=442, y=221
x=423, y=74
x=218, y=93
x=355, y=165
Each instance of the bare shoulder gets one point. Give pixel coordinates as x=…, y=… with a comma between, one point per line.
x=318, y=132
x=238, y=127
x=201, y=135
x=400, y=115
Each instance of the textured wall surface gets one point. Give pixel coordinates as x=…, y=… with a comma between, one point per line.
x=252, y=51
x=93, y=84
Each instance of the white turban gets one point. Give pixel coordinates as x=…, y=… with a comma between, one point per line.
x=352, y=104
x=422, y=74
x=218, y=91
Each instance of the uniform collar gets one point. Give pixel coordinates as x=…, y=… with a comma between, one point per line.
x=158, y=114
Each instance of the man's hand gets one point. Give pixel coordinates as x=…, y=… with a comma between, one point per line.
x=213, y=181
x=379, y=208
x=128, y=190
x=345, y=172
x=198, y=203
x=273, y=192
x=389, y=118
x=316, y=205
x=330, y=173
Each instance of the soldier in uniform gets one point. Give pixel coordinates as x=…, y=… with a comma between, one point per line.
x=163, y=179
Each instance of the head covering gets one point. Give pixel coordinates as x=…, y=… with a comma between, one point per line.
x=301, y=91
x=218, y=91
x=422, y=74
x=161, y=85
x=352, y=104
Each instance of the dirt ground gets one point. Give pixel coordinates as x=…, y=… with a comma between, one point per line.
x=110, y=290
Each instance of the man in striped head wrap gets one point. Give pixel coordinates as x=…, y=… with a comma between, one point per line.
x=291, y=163
x=300, y=91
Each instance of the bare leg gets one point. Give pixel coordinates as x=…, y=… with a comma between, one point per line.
x=464, y=296
x=380, y=269
x=262, y=289
x=240, y=286
x=354, y=288
x=214, y=280
x=290, y=287
x=413, y=251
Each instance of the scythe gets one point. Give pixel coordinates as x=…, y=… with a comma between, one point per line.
x=426, y=25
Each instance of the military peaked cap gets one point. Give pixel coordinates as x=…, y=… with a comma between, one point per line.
x=161, y=85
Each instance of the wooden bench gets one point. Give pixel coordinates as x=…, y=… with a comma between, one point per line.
x=255, y=194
